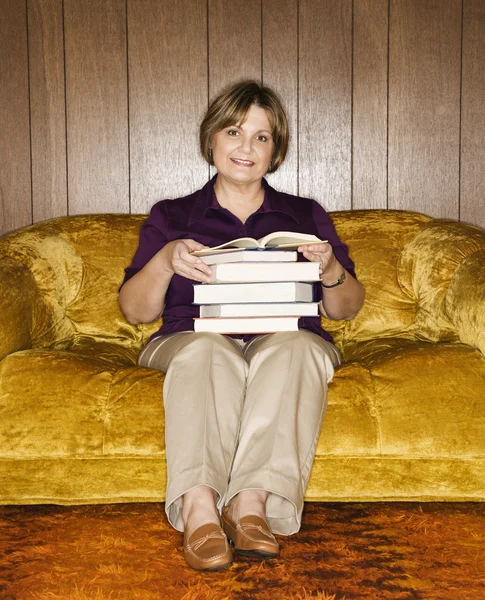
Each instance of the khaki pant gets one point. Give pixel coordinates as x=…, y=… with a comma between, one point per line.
x=242, y=416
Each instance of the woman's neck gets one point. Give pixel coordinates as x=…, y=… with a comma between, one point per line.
x=240, y=199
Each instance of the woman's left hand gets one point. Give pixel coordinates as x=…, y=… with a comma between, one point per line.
x=321, y=253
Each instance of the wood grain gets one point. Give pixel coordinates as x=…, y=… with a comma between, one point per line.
x=15, y=177
x=48, y=109
x=424, y=106
x=369, y=131
x=234, y=42
x=168, y=98
x=472, y=197
x=97, y=111
x=325, y=68
x=140, y=74
x=280, y=72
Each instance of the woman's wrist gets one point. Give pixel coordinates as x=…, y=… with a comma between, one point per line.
x=332, y=274
x=163, y=262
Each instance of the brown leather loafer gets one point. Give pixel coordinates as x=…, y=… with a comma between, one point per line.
x=251, y=536
x=207, y=548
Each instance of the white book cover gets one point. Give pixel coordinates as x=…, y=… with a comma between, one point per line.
x=250, y=255
x=228, y=293
x=263, y=272
x=249, y=325
x=274, y=309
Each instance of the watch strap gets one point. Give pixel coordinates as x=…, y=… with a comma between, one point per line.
x=339, y=281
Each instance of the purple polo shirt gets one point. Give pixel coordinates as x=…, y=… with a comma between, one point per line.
x=201, y=217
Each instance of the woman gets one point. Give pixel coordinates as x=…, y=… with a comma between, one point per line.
x=242, y=413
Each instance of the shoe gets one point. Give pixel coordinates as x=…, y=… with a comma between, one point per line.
x=251, y=536
x=207, y=548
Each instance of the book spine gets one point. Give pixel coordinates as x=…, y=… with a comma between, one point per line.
x=247, y=325
x=265, y=272
x=274, y=309
x=229, y=293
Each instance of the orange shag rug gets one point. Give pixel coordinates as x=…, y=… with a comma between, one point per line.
x=378, y=551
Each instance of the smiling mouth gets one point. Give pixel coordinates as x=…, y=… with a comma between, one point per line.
x=242, y=162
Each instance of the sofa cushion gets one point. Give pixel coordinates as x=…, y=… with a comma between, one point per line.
x=71, y=404
x=426, y=399
x=69, y=413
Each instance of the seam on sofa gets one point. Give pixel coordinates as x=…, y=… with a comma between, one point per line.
x=82, y=279
x=104, y=413
x=157, y=457
x=59, y=457
x=80, y=501
x=373, y=412
x=459, y=267
x=436, y=457
x=421, y=227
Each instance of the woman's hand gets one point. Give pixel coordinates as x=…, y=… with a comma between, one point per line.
x=178, y=259
x=142, y=298
x=339, y=302
x=323, y=254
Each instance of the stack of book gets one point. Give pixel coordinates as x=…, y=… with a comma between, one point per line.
x=257, y=286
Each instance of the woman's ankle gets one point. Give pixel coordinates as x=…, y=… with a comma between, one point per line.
x=248, y=502
x=199, y=507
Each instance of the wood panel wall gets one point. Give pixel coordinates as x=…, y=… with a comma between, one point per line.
x=100, y=101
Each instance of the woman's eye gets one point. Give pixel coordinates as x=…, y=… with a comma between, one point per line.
x=232, y=132
x=262, y=138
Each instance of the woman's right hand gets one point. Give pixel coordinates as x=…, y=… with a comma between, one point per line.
x=178, y=258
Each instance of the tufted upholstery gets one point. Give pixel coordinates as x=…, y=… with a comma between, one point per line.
x=81, y=423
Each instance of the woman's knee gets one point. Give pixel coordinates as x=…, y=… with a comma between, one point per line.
x=299, y=341
x=209, y=350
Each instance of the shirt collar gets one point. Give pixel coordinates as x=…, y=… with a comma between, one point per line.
x=273, y=202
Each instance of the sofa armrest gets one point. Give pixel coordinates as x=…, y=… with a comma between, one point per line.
x=465, y=300
x=18, y=297
x=439, y=270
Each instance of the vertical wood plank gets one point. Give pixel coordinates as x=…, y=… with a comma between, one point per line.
x=280, y=72
x=325, y=102
x=97, y=122
x=15, y=176
x=369, y=134
x=48, y=116
x=168, y=98
x=472, y=196
x=234, y=42
x=424, y=106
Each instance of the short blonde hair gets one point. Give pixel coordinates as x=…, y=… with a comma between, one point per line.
x=231, y=107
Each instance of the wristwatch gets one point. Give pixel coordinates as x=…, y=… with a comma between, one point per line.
x=339, y=281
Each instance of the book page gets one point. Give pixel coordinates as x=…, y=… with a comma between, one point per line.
x=245, y=242
x=287, y=239
x=278, y=239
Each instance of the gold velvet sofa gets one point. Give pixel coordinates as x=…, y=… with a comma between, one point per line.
x=81, y=423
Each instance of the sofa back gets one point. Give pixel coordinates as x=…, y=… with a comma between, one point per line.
x=415, y=270
x=406, y=261
x=78, y=265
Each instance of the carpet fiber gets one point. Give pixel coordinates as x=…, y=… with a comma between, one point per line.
x=375, y=551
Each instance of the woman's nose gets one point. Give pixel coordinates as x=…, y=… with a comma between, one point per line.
x=246, y=144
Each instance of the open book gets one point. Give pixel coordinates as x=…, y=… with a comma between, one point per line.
x=277, y=240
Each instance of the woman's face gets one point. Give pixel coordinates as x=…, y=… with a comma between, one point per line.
x=242, y=153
